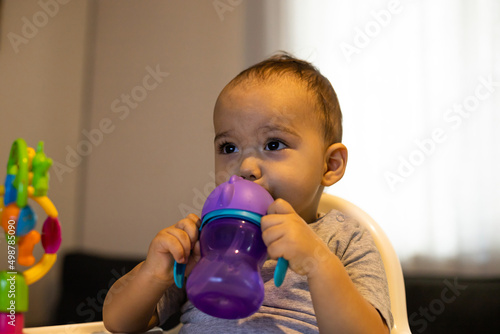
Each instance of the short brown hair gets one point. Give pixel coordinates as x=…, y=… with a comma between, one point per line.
x=283, y=64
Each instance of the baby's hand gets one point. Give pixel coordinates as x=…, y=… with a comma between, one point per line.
x=179, y=243
x=287, y=235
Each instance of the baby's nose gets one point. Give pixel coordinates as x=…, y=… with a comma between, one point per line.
x=250, y=168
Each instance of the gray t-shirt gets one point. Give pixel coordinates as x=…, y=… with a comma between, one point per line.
x=289, y=309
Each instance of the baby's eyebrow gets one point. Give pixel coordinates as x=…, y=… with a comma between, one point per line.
x=279, y=128
x=263, y=129
x=221, y=135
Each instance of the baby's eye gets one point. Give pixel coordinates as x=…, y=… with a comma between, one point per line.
x=227, y=148
x=275, y=145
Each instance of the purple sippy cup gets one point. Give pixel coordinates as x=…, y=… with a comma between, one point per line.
x=226, y=282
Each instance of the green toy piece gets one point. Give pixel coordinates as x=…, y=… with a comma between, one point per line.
x=18, y=165
x=40, y=167
x=13, y=292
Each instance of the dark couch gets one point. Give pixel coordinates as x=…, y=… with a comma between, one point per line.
x=85, y=283
x=435, y=305
x=453, y=305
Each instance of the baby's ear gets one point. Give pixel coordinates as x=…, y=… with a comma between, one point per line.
x=335, y=163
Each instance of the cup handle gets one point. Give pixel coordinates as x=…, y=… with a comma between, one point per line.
x=179, y=269
x=279, y=271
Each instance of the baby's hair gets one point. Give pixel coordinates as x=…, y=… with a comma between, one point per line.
x=283, y=64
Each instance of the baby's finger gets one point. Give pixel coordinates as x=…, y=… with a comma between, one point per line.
x=271, y=229
x=195, y=219
x=280, y=206
x=276, y=249
x=179, y=244
x=169, y=243
x=190, y=225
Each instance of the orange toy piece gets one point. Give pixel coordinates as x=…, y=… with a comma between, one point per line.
x=10, y=212
x=26, y=245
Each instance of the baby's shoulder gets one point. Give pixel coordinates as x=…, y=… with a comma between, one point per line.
x=340, y=231
x=336, y=221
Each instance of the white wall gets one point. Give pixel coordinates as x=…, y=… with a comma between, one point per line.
x=119, y=189
x=159, y=149
x=41, y=94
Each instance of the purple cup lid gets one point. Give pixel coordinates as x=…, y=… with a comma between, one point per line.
x=239, y=194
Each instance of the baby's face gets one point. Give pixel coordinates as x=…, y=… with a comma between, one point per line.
x=269, y=134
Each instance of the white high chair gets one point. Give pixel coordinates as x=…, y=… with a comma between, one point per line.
x=389, y=257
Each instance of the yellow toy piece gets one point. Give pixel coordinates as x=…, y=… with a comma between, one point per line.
x=40, y=269
x=44, y=202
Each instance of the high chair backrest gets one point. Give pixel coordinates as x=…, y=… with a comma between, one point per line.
x=389, y=257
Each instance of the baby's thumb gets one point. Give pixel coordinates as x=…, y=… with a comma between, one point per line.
x=196, y=252
x=194, y=257
x=280, y=206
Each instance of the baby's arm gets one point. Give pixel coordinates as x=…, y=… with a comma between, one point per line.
x=338, y=305
x=130, y=304
x=337, y=302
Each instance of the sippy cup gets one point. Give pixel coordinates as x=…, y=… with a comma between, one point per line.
x=226, y=282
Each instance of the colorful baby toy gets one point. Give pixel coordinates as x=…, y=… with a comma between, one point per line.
x=226, y=282
x=27, y=177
